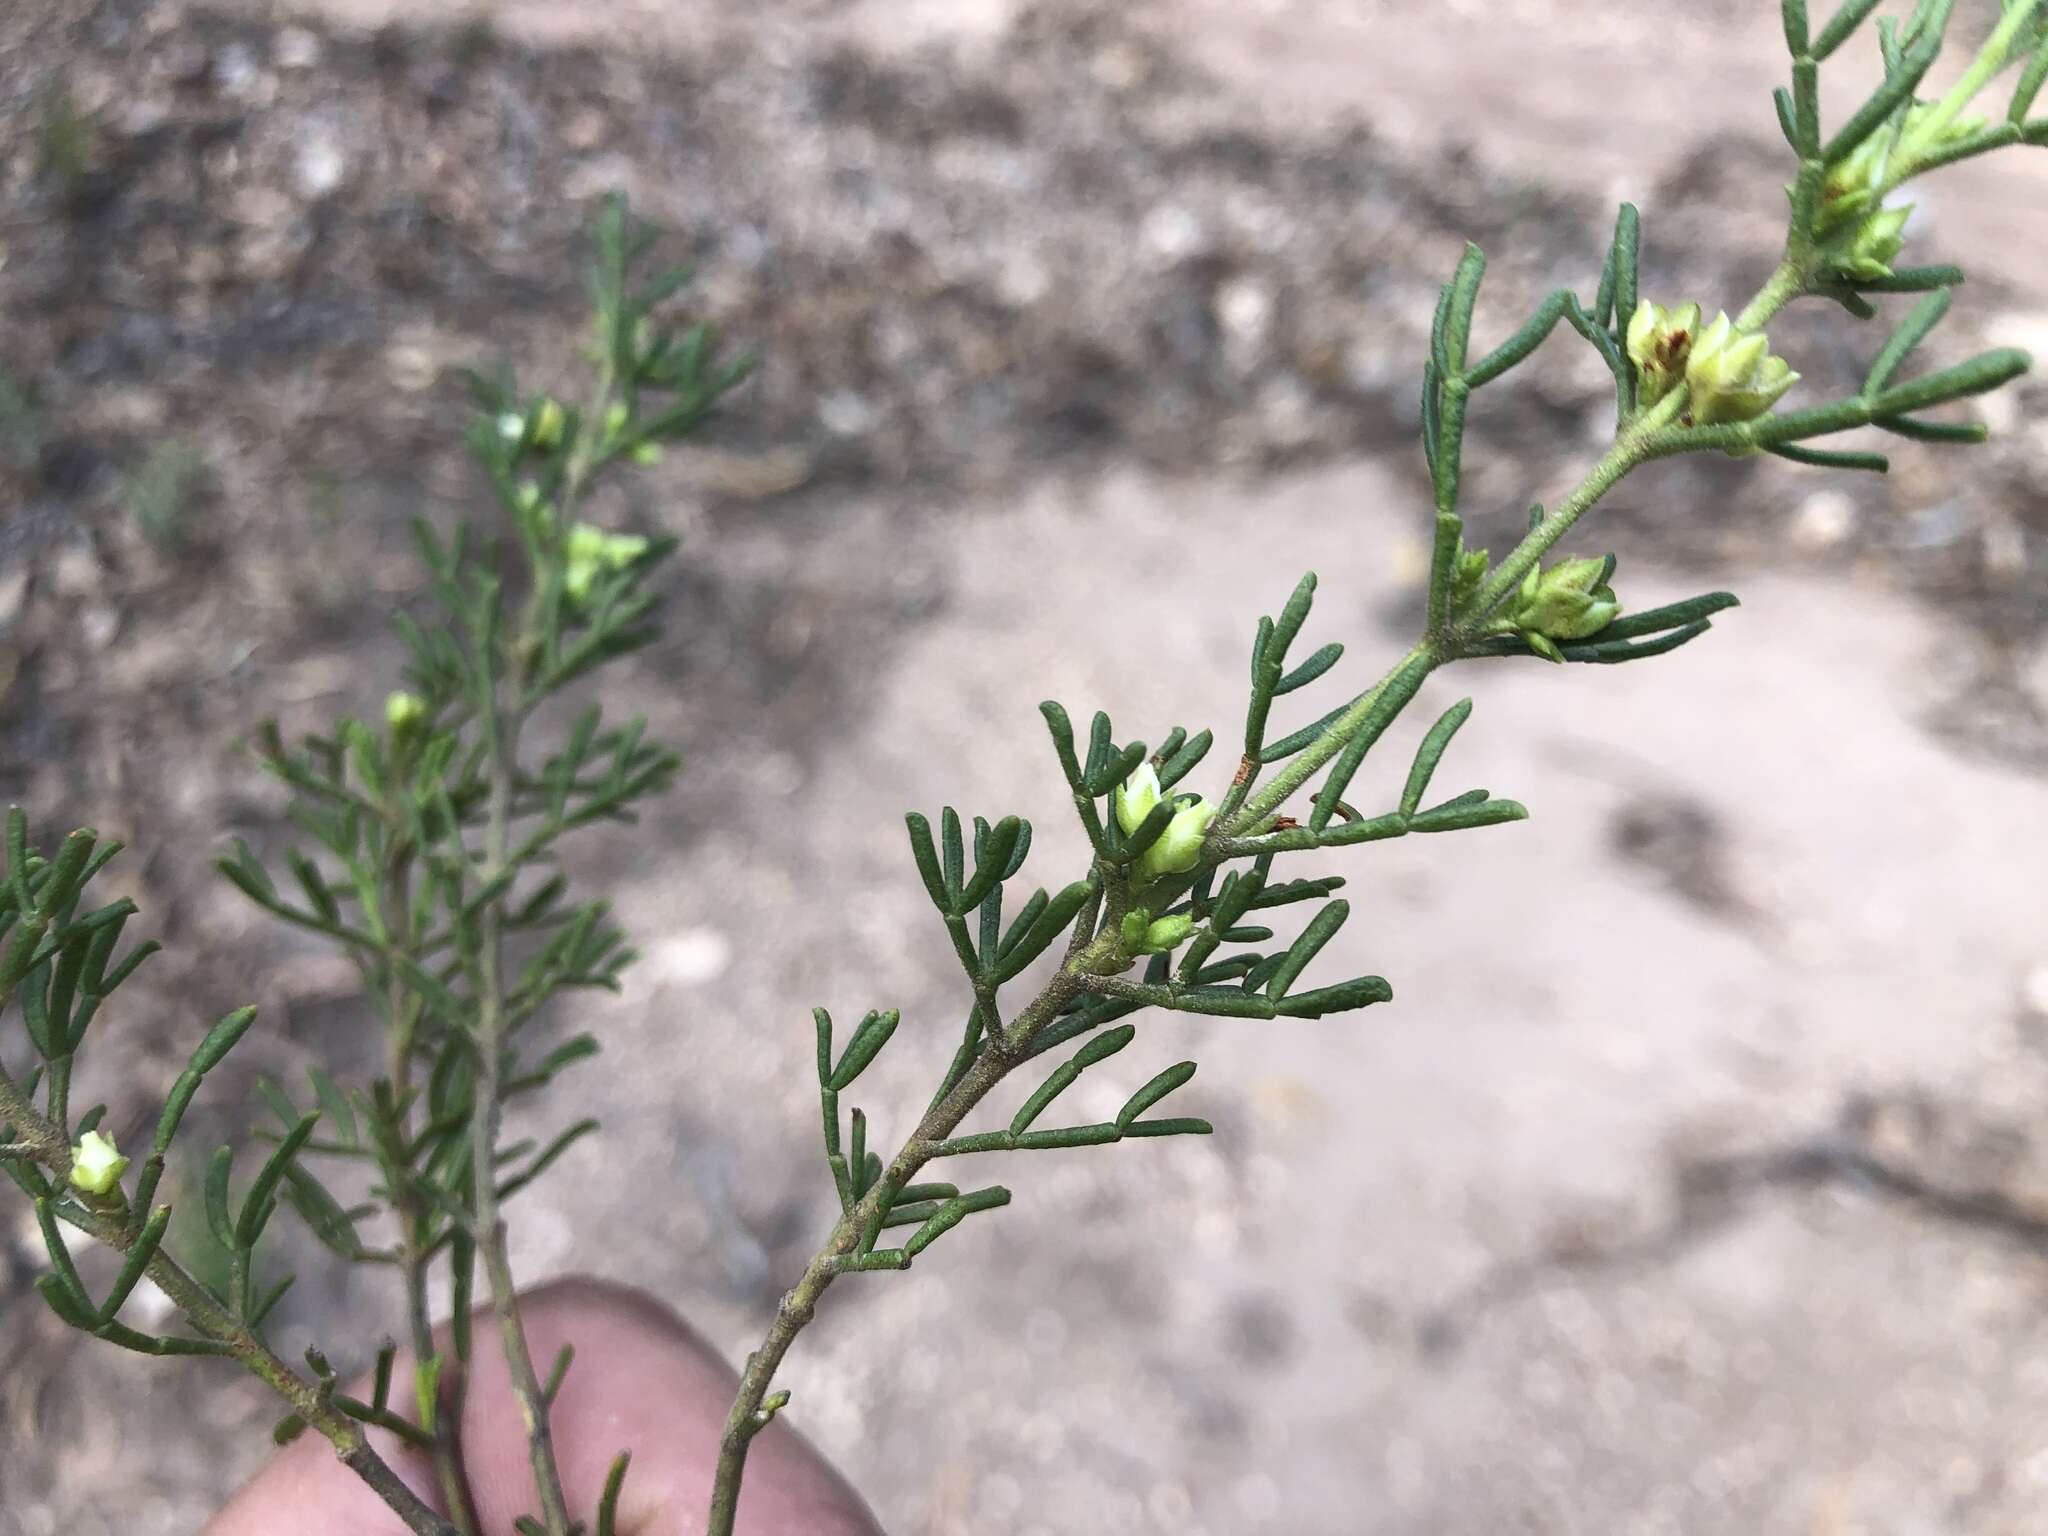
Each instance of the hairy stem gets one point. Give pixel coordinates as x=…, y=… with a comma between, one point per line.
x=106, y=1218
x=1992, y=58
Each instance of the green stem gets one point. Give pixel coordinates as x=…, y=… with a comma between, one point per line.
x=1994, y=55
x=799, y=1305
x=1301, y=767
x=501, y=741
x=106, y=1219
x=502, y=724
x=415, y=1256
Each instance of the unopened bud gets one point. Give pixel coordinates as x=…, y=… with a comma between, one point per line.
x=589, y=551
x=1659, y=343
x=1136, y=796
x=1570, y=601
x=548, y=421
x=96, y=1164
x=1733, y=375
x=1868, y=255
x=404, y=713
x=1179, y=848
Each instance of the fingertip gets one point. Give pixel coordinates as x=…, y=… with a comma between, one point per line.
x=306, y=1490
x=642, y=1382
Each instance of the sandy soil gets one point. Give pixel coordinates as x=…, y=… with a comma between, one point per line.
x=1692, y=1183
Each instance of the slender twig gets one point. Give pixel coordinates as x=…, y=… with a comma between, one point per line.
x=502, y=723
x=106, y=1218
x=1636, y=442
x=415, y=1254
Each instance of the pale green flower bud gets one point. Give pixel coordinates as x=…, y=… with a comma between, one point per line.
x=1853, y=187
x=645, y=453
x=96, y=1164
x=1168, y=934
x=1733, y=376
x=1468, y=573
x=1877, y=240
x=548, y=421
x=589, y=551
x=615, y=418
x=1659, y=343
x=1142, y=934
x=1136, y=796
x=1570, y=601
x=404, y=713
x=1179, y=847
x=511, y=426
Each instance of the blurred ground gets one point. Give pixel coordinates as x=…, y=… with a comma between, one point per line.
x=1693, y=1182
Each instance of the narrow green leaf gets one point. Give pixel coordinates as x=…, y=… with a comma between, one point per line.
x=67, y=871
x=1065, y=1137
x=867, y=1042
x=218, y=1169
x=2032, y=78
x=1788, y=123
x=1062, y=730
x=135, y=1262
x=1393, y=698
x=380, y=1389
x=1519, y=347
x=1841, y=25
x=1965, y=433
x=35, y=1013
x=64, y=1271
x=1342, y=998
x=221, y=1039
x=18, y=859
x=952, y=854
x=1628, y=239
x=951, y=1215
x=1431, y=752
x=1912, y=331
x=1155, y=1090
x=608, y=1502
x=1183, y=1126
x=1287, y=746
x=1061, y=1078
x=1320, y=930
x=992, y=858
x=1048, y=926
x=257, y=1202
x=1822, y=458
x=1464, y=297
x=926, y=853
x=1293, y=614
x=1457, y=817
x=1896, y=91
x=1105, y=1045
x=1119, y=768
x=1987, y=371
x=65, y=1304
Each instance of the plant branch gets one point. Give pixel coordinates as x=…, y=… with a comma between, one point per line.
x=415, y=1253
x=749, y=1415
x=106, y=1219
x=502, y=725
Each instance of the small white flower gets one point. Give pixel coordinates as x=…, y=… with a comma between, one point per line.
x=96, y=1163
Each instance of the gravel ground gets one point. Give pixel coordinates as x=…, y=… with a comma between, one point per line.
x=1744, y=1236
